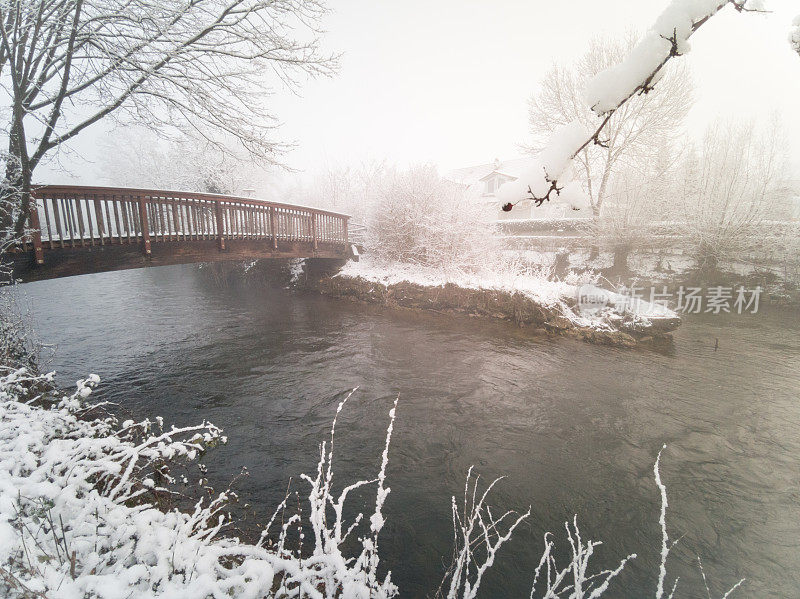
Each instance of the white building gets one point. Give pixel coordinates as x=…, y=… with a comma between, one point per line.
x=485, y=179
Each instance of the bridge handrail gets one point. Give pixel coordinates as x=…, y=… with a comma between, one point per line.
x=76, y=215
x=175, y=193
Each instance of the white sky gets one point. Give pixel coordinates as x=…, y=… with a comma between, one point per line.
x=446, y=81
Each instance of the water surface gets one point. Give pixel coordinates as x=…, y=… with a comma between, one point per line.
x=575, y=428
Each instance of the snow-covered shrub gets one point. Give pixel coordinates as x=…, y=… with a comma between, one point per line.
x=420, y=218
x=478, y=534
x=730, y=188
x=78, y=518
x=347, y=188
x=794, y=34
x=17, y=347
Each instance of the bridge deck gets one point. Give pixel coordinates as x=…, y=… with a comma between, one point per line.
x=78, y=230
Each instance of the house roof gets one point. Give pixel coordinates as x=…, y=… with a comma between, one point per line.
x=472, y=174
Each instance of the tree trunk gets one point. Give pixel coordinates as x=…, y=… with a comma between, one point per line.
x=707, y=263
x=620, y=260
x=594, y=248
x=24, y=199
x=9, y=197
x=15, y=191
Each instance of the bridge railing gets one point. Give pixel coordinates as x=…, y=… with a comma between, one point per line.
x=73, y=216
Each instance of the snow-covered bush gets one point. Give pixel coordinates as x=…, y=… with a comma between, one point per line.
x=420, y=218
x=348, y=188
x=78, y=516
x=478, y=534
x=17, y=346
x=730, y=188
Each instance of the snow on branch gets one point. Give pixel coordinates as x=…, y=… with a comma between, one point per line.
x=794, y=34
x=573, y=580
x=606, y=92
x=478, y=534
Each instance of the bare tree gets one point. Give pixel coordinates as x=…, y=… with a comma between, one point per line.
x=634, y=134
x=628, y=215
x=640, y=197
x=420, y=218
x=608, y=92
x=198, y=66
x=138, y=158
x=352, y=189
x=730, y=188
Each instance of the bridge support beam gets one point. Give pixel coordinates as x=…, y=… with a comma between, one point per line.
x=220, y=228
x=36, y=233
x=273, y=223
x=145, y=227
x=314, y=229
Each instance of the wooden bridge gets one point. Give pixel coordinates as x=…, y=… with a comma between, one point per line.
x=77, y=230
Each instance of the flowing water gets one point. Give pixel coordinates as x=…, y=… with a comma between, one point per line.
x=575, y=428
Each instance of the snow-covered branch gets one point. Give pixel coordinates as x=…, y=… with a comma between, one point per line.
x=609, y=90
x=478, y=535
x=794, y=34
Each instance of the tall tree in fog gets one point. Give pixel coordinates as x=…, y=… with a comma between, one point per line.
x=730, y=188
x=136, y=157
x=639, y=198
x=634, y=134
x=199, y=66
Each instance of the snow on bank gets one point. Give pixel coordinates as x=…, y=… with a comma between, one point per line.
x=76, y=519
x=559, y=295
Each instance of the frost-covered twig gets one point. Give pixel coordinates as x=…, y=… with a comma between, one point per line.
x=572, y=581
x=662, y=521
x=477, y=536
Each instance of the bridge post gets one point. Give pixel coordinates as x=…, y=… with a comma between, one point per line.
x=273, y=223
x=36, y=232
x=346, y=237
x=220, y=227
x=98, y=213
x=314, y=229
x=145, y=226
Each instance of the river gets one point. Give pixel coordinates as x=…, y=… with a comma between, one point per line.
x=575, y=428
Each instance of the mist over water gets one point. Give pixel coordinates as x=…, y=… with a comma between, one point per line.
x=575, y=428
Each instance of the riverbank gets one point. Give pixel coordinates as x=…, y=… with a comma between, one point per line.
x=546, y=307
x=87, y=510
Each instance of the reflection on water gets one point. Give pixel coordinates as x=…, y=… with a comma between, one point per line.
x=574, y=427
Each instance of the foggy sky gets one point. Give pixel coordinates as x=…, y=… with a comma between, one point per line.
x=447, y=81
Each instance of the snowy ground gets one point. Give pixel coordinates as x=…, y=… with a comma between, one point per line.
x=561, y=295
